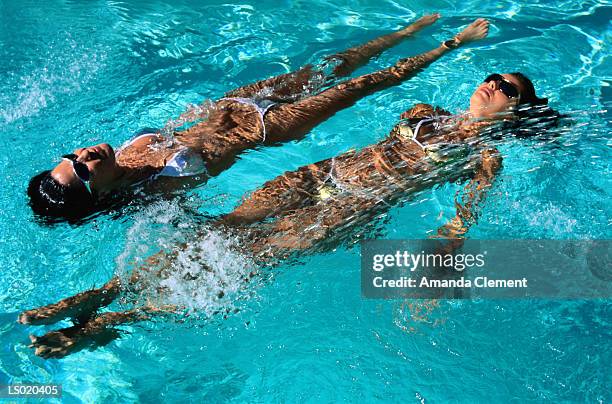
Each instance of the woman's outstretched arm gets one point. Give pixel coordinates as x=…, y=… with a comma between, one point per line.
x=286, y=85
x=300, y=117
x=473, y=196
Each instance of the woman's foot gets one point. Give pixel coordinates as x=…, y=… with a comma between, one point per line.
x=421, y=23
x=96, y=332
x=80, y=306
x=60, y=343
x=473, y=32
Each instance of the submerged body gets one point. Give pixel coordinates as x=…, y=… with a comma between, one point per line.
x=294, y=213
x=300, y=208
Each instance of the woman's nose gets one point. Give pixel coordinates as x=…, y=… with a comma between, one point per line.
x=83, y=155
x=492, y=85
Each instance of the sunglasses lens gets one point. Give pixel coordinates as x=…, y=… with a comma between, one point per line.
x=508, y=89
x=79, y=168
x=81, y=171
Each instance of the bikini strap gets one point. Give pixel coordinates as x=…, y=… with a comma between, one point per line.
x=415, y=133
x=260, y=110
x=139, y=135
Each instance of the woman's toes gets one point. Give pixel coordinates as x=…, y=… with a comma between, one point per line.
x=29, y=317
x=23, y=318
x=425, y=21
x=37, y=317
x=40, y=351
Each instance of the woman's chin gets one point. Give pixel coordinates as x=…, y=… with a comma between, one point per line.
x=478, y=112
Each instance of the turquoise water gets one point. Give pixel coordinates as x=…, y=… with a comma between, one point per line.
x=79, y=73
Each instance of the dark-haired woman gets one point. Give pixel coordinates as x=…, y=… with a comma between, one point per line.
x=317, y=205
x=279, y=109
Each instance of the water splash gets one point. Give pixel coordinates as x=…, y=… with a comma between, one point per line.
x=193, y=115
x=192, y=266
x=67, y=69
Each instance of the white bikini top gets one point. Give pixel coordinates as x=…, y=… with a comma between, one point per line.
x=440, y=152
x=184, y=163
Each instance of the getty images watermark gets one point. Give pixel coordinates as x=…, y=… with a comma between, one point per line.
x=486, y=269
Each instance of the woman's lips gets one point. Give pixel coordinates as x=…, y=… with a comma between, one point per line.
x=96, y=153
x=487, y=91
x=101, y=152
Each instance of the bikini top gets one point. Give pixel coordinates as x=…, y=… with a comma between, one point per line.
x=184, y=163
x=187, y=162
x=439, y=152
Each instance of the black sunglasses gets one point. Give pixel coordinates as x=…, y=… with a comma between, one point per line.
x=80, y=169
x=506, y=87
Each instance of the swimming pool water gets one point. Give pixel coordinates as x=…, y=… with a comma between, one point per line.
x=76, y=73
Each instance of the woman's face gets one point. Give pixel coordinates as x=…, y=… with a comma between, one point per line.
x=102, y=166
x=489, y=101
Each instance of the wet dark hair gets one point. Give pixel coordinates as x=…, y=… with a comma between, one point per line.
x=528, y=95
x=50, y=199
x=534, y=117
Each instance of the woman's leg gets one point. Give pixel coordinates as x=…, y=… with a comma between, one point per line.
x=95, y=332
x=79, y=306
x=359, y=55
x=287, y=86
x=292, y=121
x=84, y=305
x=289, y=191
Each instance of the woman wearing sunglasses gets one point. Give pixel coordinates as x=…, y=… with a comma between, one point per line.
x=275, y=110
x=317, y=206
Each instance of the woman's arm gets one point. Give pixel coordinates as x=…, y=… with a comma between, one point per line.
x=298, y=118
x=474, y=195
x=359, y=55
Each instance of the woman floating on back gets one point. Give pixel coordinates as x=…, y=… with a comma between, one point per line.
x=275, y=110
